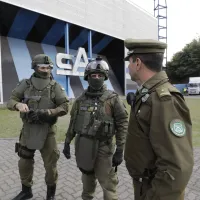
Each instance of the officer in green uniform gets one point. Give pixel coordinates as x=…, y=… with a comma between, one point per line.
x=40, y=101
x=158, y=152
x=96, y=116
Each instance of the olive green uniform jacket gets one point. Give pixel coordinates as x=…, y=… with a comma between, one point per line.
x=158, y=151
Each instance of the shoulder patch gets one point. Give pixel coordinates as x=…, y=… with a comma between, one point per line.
x=177, y=127
x=57, y=85
x=163, y=92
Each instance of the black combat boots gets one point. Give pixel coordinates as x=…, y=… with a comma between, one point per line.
x=51, y=190
x=26, y=193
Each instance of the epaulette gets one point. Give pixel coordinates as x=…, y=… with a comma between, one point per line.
x=163, y=92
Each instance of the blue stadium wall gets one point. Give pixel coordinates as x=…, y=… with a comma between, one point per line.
x=25, y=34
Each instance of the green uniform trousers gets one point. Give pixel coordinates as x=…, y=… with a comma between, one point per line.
x=104, y=173
x=141, y=189
x=50, y=155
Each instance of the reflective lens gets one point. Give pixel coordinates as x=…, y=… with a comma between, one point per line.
x=101, y=65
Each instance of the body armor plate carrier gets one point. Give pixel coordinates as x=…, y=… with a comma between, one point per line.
x=92, y=125
x=35, y=134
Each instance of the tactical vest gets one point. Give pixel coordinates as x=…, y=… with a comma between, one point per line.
x=37, y=98
x=91, y=118
x=92, y=125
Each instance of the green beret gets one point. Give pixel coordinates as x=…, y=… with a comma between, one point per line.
x=137, y=46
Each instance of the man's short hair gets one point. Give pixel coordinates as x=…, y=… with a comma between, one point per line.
x=152, y=61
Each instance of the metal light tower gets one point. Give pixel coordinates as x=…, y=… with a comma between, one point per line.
x=160, y=12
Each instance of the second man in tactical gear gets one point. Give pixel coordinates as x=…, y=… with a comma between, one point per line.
x=96, y=116
x=40, y=101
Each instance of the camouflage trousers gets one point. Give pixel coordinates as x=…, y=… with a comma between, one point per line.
x=104, y=173
x=50, y=155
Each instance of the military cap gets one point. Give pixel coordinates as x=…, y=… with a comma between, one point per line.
x=137, y=46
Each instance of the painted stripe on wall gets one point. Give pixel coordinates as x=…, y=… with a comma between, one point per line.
x=109, y=85
x=41, y=28
x=55, y=33
x=23, y=23
x=34, y=48
x=80, y=40
x=84, y=83
x=102, y=44
x=21, y=57
x=9, y=78
x=76, y=85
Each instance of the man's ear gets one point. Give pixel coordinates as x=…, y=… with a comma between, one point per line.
x=138, y=64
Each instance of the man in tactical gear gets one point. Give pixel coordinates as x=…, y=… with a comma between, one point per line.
x=158, y=152
x=40, y=101
x=96, y=116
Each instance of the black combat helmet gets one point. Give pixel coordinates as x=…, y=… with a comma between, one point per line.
x=96, y=66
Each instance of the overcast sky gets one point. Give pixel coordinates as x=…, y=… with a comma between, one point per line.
x=183, y=21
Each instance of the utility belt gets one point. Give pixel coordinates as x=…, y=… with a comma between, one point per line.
x=148, y=175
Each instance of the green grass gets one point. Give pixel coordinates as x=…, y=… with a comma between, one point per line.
x=194, y=106
x=10, y=123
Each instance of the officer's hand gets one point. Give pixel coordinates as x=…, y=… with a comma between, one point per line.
x=22, y=107
x=117, y=158
x=66, y=150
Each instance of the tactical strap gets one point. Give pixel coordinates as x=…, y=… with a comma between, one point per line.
x=24, y=152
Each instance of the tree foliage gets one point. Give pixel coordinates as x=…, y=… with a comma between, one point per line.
x=185, y=63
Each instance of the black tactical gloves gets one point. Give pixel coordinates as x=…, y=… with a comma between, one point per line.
x=32, y=117
x=41, y=116
x=117, y=157
x=66, y=150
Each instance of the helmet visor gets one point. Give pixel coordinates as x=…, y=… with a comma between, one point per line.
x=97, y=65
x=45, y=65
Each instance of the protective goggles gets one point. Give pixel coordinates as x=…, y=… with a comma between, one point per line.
x=97, y=65
x=45, y=66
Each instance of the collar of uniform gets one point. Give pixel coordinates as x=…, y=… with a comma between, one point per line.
x=156, y=79
x=94, y=93
x=40, y=83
